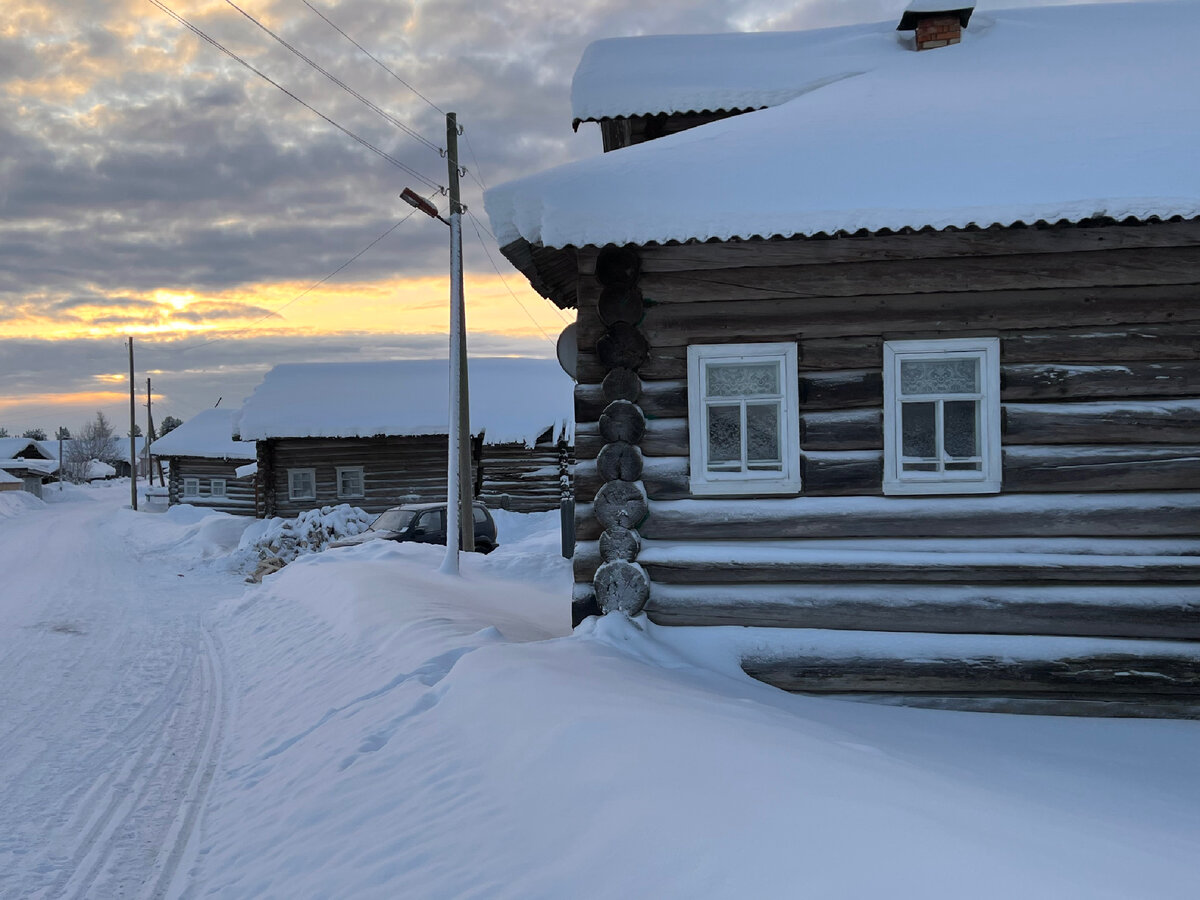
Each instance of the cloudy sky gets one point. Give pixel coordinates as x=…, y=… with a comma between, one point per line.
x=150, y=185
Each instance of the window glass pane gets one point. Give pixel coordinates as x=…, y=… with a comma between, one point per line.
x=478, y=514
x=742, y=379
x=724, y=434
x=960, y=423
x=762, y=432
x=218, y=487
x=965, y=466
x=939, y=376
x=918, y=425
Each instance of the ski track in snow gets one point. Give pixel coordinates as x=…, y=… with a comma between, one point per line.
x=113, y=699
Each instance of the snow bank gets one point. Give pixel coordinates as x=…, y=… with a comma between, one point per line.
x=15, y=503
x=404, y=733
x=310, y=532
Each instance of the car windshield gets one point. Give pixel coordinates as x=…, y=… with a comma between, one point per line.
x=392, y=520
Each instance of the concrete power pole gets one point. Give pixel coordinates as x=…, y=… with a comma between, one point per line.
x=458, y=513
x=132, y=439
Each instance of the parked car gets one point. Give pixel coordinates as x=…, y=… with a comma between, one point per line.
x=424, y=523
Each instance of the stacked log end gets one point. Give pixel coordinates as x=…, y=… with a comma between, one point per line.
x=620, y=506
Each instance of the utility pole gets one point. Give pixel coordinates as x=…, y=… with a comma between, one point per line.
x=60, y=457
x=132, y=439
x=454, y=511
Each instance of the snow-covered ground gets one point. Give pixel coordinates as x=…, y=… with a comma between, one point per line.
x=361, y=726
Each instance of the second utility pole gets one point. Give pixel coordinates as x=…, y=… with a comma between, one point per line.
x=460, y=525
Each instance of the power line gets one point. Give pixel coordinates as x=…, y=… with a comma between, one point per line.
x=215, y=43
x=479, y=225
x=373, y=57
x=345, y=87
x=478, y=179
x=525, y=309
x=308, y=290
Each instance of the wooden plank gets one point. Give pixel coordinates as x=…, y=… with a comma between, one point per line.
x=970, y=664
x=1087, y=468
x=1130, y=706
x=1163, y=422
x=1077, y=269
x=1132, y=379
x=926, y=245
x=1128, y=611
x=701, y=562
x=841, y=473
x=996, y=516
x=943, y=313
x=843, y=429
x=1144, y=343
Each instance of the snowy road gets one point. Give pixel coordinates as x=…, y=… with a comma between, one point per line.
x=111, y=704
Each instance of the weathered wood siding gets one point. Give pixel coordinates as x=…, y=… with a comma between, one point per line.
x=395, y=470
x=1100, y=388
x=239, y=492
x=400, y=470
x=521, y=478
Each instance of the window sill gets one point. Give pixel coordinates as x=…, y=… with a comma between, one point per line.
x=910, y=488
x=744, y=488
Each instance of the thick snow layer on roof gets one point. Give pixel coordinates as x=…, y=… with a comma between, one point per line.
x=511, y=400
x=1054, y=113
x=208, y=434
x=33, y=464
x=11, y=447
x=5, y=478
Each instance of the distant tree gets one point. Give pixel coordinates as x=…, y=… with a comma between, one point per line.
x=137, y=431
x=95, y=440
x=35, y=434
x=63, y=433
x=169, y=423
x=3, y=432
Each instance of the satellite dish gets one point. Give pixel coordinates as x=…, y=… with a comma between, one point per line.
x=568, y=351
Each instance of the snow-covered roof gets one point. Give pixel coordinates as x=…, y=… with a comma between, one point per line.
x=1046, y=114
x=42, y=466
x=208, y=434
x=5, y=478
x=511, y=400
x=11, y=447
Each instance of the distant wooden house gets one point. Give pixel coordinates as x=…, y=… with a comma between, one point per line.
x=25, y=460
x=893, y=385
x=374, y=434
x=203, y=462
x=10, y=482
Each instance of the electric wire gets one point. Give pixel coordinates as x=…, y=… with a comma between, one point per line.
x=361, y=140
x=524, y=308
x=373, y=58
x=345, y=87
x=474, y=159
x=308, y=290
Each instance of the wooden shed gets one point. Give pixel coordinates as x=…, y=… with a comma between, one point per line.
x=203, y=462
x=893, y=385
x=374, y=434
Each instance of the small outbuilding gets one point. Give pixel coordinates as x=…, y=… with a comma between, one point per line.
x=203, y=462
x=374, y=434
x=25, y=460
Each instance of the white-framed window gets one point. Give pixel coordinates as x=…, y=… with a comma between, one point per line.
x=743, y=419
x=941, y=416
x=350, y=481
x=191, y=487
x=302, y=484
x=216, y=487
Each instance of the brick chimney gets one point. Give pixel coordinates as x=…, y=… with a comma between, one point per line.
x=938, y=23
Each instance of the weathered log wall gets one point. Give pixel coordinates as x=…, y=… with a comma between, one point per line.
x=520, y=478
x=1099, y=330
x=239, y=492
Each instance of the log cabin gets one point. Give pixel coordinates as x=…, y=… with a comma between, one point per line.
x=889, y=361
x=204, y=461
x=373, y=434
x=27, y=461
